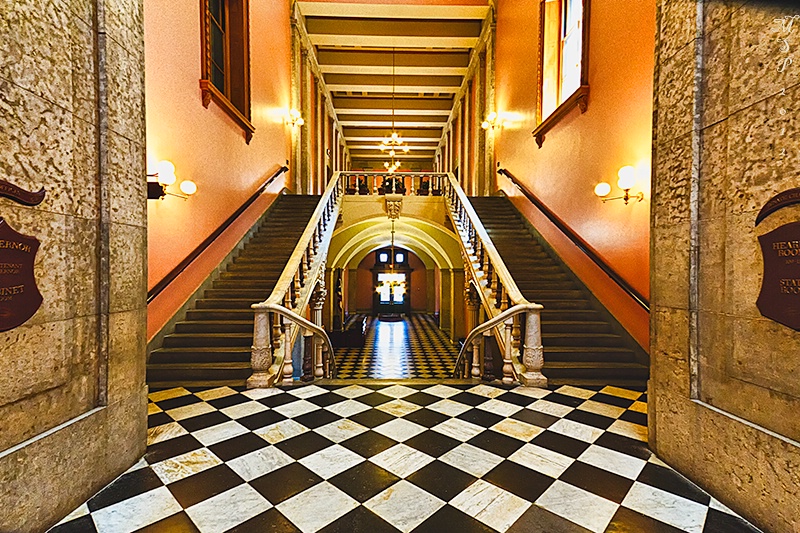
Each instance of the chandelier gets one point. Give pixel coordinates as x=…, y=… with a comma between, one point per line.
x=392, y=284
x=393, y=142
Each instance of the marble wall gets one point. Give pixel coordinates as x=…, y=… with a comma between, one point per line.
x=72, y=391
x=724, y=388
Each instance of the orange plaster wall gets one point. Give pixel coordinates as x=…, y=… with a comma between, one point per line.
x=584, y=149
x=411, y=2
x=205, y=145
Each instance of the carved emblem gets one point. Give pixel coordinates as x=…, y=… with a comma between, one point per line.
x=779, y=299
x=20, y=195
x=394, y=204
x=19, y=296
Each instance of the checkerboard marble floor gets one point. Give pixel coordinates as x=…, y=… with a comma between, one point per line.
x=435, y=457
x=412, y=348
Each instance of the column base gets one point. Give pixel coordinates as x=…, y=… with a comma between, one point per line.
x=533, y=379
x=258, y=381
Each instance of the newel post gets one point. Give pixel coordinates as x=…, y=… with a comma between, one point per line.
x=508, y=366
x=317, y=303
x=261, y=351
x=533, y=352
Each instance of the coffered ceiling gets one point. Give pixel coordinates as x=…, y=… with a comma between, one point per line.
x=356, y=46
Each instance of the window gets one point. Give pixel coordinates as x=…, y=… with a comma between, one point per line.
x=225, y=76
x=563, y=79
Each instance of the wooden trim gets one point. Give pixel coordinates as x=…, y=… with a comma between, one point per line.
x=210, y=93
x=580, y=98
x=578, y=241
x=175, y=272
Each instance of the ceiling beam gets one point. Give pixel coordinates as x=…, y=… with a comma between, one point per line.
x=392, y=41
x=338, y=9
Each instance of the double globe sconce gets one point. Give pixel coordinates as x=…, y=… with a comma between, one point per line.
x=626, y=181
x=165, y=176
x=294, y=118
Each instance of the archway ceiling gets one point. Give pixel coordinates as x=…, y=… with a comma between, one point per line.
x=432, y=46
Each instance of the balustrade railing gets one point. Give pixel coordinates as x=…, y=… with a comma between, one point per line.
x=279, y=320
x=404, y=183
x=500, y=297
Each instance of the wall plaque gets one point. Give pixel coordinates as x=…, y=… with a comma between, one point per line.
x=20, y=195
x=19, y=296
x=779, y=299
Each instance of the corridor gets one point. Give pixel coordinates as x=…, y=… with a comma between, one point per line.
x=395, y=457
x=414, y=347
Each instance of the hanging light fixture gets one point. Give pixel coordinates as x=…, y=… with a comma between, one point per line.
x=393, y=142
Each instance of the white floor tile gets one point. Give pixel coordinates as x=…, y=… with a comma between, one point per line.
x=486, y=391
x=399, y=429
x=576, y=392
x=191, y=410
x=458, y=429
x=542, y=460
x=398, y=391
x=293, y=409
x=499, y=407
x=353, y=391
x=244, y=409
x=341, y=430
x=164, y=432
x=185, y=465
x=347, y=408
x=231, y=508
x=330, y=461
x=449, y=407
x=257, y=394
x=308, y=391
x=280, y=431
x=550, y=408
x=621, y=393
x=404, y=505
x=168, y=394
x=686, y=515
x=578, y=506
x=493, y=506
x=442, y=391
x=576, y=430
x=213, y=394
x=401, y=460
x=629, y=429
x=603, y=409
x=532, y=392
x=315, y=508
x=399, y=407
x=613, y=461
x=517, y=429
x=137, y=512
x=260, y=462
x=220, y=432
x=471, y=459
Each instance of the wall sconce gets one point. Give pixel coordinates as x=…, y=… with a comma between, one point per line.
x=492, y=122
x=295, y=119
x=157, y=190
x=627, y=179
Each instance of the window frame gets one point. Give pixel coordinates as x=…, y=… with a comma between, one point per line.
x=211, y=92
x=580, y=97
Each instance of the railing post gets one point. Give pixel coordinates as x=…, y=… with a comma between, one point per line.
x=476, y=358
x=533, y=352
x=261, y=352
x=307, y=373
x=488, y=364
x=317, y=302
x=508, y=366
x=288, y=369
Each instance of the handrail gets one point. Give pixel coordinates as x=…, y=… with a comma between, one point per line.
x=455, y=192
x=492, y=323
x=578, y=241
x=307, y=324
x=159, y=287
x=302, y=277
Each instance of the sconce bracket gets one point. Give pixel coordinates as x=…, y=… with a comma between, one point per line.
x=156, y=191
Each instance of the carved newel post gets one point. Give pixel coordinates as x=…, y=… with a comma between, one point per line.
x=473, y=307
x=533, y=352
x=317, y=303
x=261, y=354
x=508, y=365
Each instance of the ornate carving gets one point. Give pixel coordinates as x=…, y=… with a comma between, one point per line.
x=319, y=297
x=261, y=358
x=393, y=206
x=533, y=358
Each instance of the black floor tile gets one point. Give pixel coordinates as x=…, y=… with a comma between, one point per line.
x=207, y=420
x=719, y=522
x=517, y=479
x=357, y=520
x=538, y=520
x=177, y=523
x=480, y=417
x=238, y=446
x=126, y=486
x=324, y=400
x=497, y=443
x=670, y=481
x=561, y=444
x=364, y=481
x=229, y=401
x=84, y=524
x=590, y=419
x=170, y=448
x=635, y=417
x=372, y=418
x=426, y=417
x=600, y=482
x=285, y=482
x=202, y=486
x=627, y=521
x=368, y=444
x=374, y=399
x=420, y=398
x=158, y=419
x=516, y=399
x=536, y=418
x=564, y=399
x=612, y=400
x=433, y=443
x=441, y=480
x=277, y=400
x=468, y=398
x=260, y=420
x=303, y=445
x=624, y=445
x=180, y=401
x=270, y=521
x=317, y=418
x=449, y=519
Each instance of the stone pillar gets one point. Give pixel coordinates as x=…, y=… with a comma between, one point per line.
x=446, y=302
x=458, y=329
x=306, y=158
x=430, y=304
x=261, y=354
x=480, y=113
x=488, y=160
x=317, y=302
x=298, y=77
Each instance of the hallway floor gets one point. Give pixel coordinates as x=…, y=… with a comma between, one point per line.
x=388, y=457
x=412, y=348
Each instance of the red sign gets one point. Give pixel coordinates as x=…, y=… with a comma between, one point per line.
x=20, y=195
x=780, y=289
x=19, y=296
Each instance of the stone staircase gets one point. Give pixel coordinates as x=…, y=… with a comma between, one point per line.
x=212, y=346
x=583, y=344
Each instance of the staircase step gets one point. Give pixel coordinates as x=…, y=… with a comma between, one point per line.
x=193, y=340
x=220, y=314
x=586, y=340
x=588, y=354
x=595, y=370
x=198, y=371
x=227, y=354
x=243, y=284
x=204, y=384
x=214, y=326
x=575, y=326
x=225, y=303
x=561, y=315
x=254, y=294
